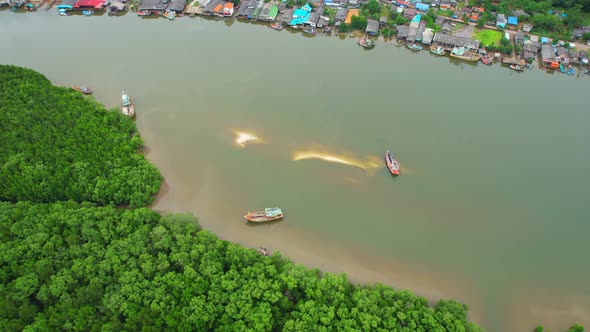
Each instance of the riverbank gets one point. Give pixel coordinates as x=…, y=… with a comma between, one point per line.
x=513, y=49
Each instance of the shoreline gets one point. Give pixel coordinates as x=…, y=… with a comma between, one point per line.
x=517, y=60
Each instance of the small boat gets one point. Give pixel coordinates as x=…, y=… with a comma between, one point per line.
x=88, y=12
x=169, y=14
x=62, y=12
x=486, y=60
x=269, y=214
x=438, y=50
x=516, y=67
x=144, y=13
x=84, y=89
x=462, y=54
x=310, y=31
x=277, y=26
x=392, y=163
x=30, y=7
x=414, y=47
x=528, y=65
x=127, y=107
x=366, y=43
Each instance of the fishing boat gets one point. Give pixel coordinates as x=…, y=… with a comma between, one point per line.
x=366, y=43
x=269, y=214
x=62, y=12
x=437, y=50
x=529, y=66
x=414, y=47
x=392, y=163
x=486, y=60
x=169, y=14
x=144, y=13
x=462, y=54
x=310, y=31
x=87, y=12
x=277, y=26
x=30, y=7
x=516, y=67
x=127, y=107
x=84, y=89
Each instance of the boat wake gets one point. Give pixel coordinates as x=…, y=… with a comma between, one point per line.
x=369, y=164
x=242, y=138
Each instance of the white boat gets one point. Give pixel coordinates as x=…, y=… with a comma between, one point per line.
x=127, y=107
x=62, y=12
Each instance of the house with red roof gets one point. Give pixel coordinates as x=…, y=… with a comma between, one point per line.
x=90, y=4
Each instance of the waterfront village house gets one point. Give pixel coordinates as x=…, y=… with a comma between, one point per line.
x=519, y=38
x=530, y=50
x=427, y=36
x=372, y=27
x=474, y=17
x=341, y=14
x=562, y=55
x=402, y=31
x=157, y=5
x=382, y=21
x=439, y=21
x=446, y=27
x=323, y=22
x=67, y=4
x=448, y=41
x=287, y=15
x=579, y=33
x=414, y=26
x=527, y=27
x=313, y=18
x=90, y=4
x=300, y=15
x=410, y=13
x=445, y=5
x=548, y=56
x=520, y=13
x=501, y=21
x=422, y=7
x=116, y=7
x=178, y=6
x=512, y=20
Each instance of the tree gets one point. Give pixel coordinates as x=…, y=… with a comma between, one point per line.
x=586, y=36
x=358, y=23
x=539, y=328
x=373, y=7
x=576, y=328
x=481, y=23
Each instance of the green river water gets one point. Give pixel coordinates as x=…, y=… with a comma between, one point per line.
x=492, y=207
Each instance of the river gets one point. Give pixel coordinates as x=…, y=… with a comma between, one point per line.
x=492, y=205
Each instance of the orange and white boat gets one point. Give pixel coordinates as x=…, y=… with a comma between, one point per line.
x=392, y=163
x=269, y=214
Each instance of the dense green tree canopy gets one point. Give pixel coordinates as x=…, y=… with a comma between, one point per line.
x=59, y=145
x=77, y=266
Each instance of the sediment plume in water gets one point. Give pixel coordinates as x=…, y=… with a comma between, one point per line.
x=242, y=138
x=370, y=163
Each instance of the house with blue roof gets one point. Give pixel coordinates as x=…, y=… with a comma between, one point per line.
x=301, y=15
x=422, y=7
x=512, y=20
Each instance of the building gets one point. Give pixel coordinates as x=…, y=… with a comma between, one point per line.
x=323, y=21
x=402, y=31
x=372, y=27
x=548, y=57
x=301, y=15
x=579, y=33
x=287, y=16
x=448, y=41
x=427, y=36
x=157, y=5
x=527, y=27
x=501, y=21
x=243, y=10
x=446, y=27
x=474, y=17
x=178, y=6
x=409, y=13
x=519, y=38
x=313, y=19
x=341, y=15
x=512, y=20
x=520, y=13
x=90, y=4
x=422, y=7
